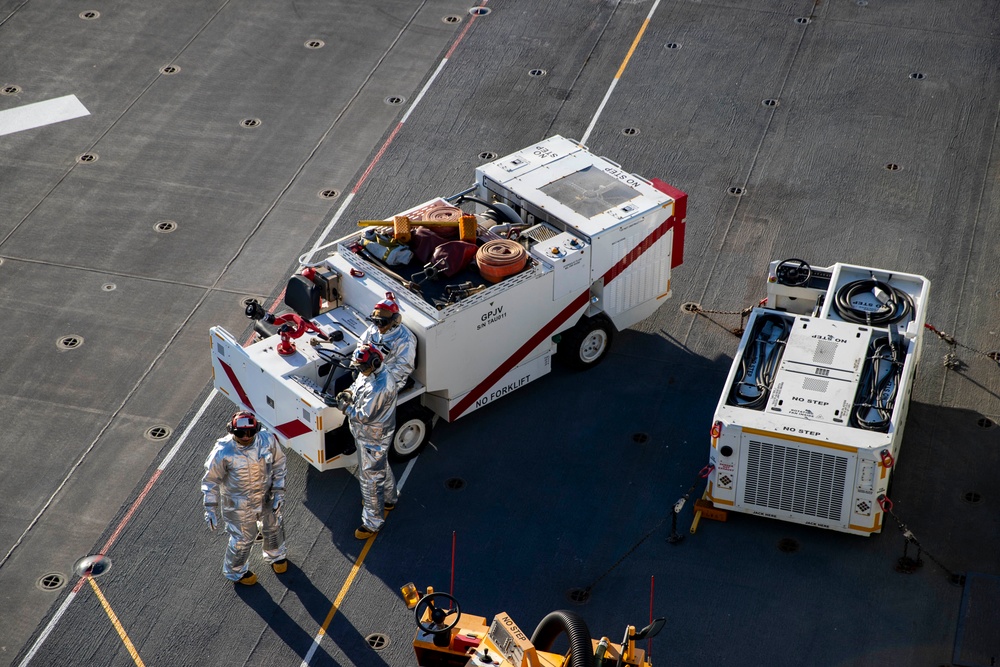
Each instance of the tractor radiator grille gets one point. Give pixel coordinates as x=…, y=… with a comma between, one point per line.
x=795, y=480
x=540, y=233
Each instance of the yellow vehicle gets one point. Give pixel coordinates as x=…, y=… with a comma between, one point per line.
x=446, y=637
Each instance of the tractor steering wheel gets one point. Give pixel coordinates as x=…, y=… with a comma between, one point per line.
x=793, y=273
x=438, y=614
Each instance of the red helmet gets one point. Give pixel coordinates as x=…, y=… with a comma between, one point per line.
x=243, y=421
x=386, y=312
x=366, y=357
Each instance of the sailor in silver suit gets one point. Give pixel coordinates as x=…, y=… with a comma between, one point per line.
x=397, y=344
x=370, y=407
x=245, y=472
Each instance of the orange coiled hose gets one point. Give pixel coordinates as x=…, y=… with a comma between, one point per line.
x=500, y=258
x=443, y=214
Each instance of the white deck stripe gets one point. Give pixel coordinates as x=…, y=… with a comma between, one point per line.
x=600, y=109
x=41, y=113
x=406, y=473
x=614, y=82
x=308, y=256
x=180, y=441
x=48, y=628
x=306, y=259
x=420, y=96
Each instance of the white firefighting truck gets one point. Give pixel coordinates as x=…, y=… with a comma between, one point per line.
x=810, y=421
x=597, y=247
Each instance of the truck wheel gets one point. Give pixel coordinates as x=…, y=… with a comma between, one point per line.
x=587, y=343
x=413, y=428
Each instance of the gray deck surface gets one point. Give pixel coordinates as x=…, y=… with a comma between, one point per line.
x=558, y=495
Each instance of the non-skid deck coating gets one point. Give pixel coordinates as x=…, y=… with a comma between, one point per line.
x=861, y=131
x=975, y=644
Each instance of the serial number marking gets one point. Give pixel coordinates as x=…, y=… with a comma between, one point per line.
x=491, y=316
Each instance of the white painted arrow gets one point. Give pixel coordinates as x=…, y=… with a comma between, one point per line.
x=41, y=113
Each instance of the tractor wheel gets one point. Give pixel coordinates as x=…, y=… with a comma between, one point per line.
x=587, y=343
x=413, y=428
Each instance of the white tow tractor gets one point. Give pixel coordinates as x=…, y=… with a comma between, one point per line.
x=597, y=246
x=810, y=421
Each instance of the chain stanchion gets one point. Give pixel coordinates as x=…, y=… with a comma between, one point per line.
x=951, y=360
x=696, y=309
x=907, y=565
x=702, y=474
x=586, y=591
x=675, y=537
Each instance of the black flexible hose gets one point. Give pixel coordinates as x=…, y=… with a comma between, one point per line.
x=504, y=212
x=898, y=306
x=878, y=387
x=760, y=363
x=558, y=622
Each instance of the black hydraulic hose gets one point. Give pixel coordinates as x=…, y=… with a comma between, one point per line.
x=897, y=305
x=505, y=212
x=878, y=387
x=760, y=363
x=558, y=622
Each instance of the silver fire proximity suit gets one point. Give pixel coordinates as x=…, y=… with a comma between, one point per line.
x=398, y=346
x=372, y=419
x=250, y=483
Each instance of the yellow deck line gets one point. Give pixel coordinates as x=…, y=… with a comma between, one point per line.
x=635, y=43
x=115, y=622
x=340, y=598
x=618, y=75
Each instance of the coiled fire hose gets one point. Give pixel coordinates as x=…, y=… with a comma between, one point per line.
x=499, y=258
x=500, y=253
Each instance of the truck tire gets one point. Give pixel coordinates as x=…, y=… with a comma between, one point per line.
x=587, y=343
x=413, y=428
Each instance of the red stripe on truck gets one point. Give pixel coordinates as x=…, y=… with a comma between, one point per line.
x=292, y=429
x=236, y=384
x=518, y=356
x=675, y=222
x=636, y=252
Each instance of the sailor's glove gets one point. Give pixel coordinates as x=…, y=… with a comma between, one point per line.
x=211, y=520
x=344, y=399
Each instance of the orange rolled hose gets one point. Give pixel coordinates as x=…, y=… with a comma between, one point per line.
x=500, y=258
